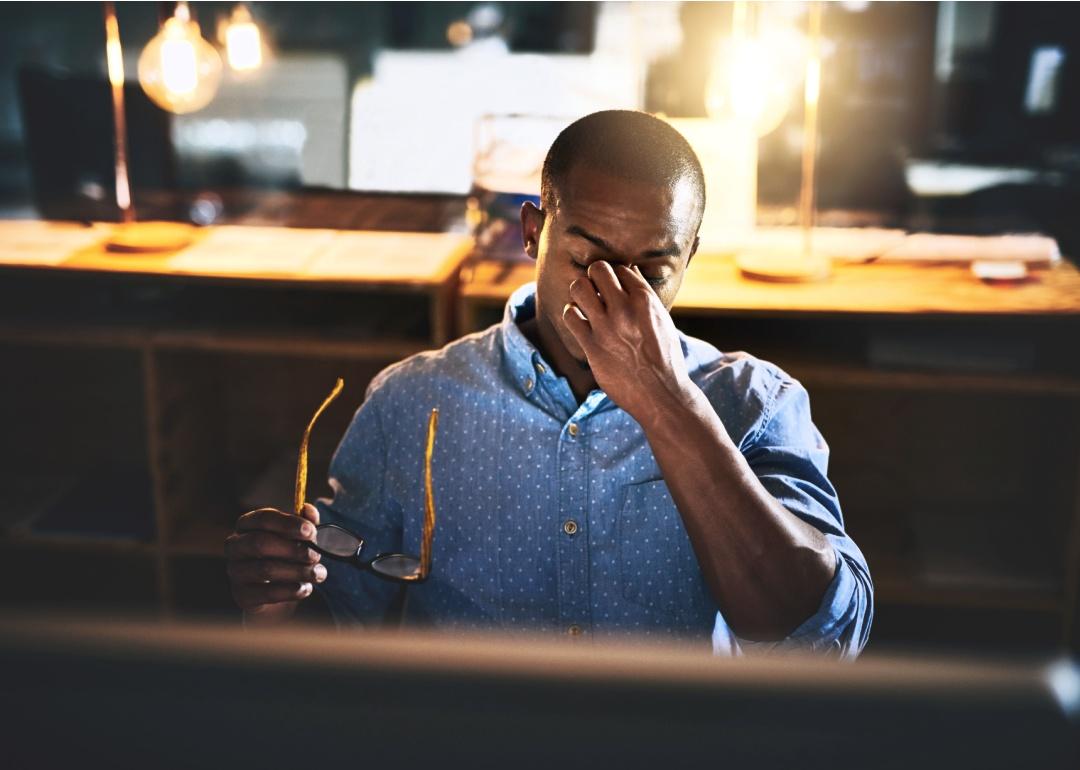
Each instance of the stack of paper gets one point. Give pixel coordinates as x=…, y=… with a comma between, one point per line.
x=388, y=256
x=842, y=244
x=252, y=251
x=867, y=244
x=928, y=247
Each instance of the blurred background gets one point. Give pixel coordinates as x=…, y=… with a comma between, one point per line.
x=147, y=403
x=935, y=115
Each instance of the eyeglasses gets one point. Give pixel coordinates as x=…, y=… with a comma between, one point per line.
x=339, y=543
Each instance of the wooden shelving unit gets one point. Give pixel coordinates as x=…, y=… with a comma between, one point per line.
x=192, y=391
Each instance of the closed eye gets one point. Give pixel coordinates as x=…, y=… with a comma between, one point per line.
x=652, y=280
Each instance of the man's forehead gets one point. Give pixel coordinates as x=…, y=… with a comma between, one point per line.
x=685, y=196
x=584, y=179
x=589, y=196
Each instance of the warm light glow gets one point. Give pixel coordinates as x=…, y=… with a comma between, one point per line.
x=244, y=47
x=178, y=67
x=459, y=33
x=753, y=76
x=243, y=41
x=813, y=80
x=747, y=84
x=179, y=70
x=114, y=57
x=812, y=90
x=114, y=60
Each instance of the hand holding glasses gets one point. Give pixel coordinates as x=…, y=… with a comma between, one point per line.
x=338, y=543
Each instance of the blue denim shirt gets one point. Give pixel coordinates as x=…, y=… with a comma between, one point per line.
x=553, y=516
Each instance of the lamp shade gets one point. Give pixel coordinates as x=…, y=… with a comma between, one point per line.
x=746, y=84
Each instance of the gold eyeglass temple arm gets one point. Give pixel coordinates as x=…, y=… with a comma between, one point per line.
x=429, y=497
x=300, y=493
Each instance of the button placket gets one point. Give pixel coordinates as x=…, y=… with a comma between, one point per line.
x=573, y=557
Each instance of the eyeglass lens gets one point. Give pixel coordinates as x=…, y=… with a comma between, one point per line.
x=397, y=566
x=336, y=541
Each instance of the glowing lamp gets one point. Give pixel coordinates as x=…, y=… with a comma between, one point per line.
x=745, y=83
x=243, y=41
x=131, y=236
x=178, y=69
x=750, y=79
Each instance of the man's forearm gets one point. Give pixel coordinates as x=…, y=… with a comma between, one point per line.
x=766, y=568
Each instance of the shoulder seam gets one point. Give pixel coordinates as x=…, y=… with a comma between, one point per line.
x=769, y=411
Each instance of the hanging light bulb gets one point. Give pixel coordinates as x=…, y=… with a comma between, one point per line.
x=179, y=70
x=243, y=41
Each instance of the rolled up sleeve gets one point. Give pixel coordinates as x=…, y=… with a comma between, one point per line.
x=790, y=458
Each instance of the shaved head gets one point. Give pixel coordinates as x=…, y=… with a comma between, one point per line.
x=625, y=144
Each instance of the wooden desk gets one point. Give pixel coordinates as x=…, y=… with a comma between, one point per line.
x=149, y=400
x=952, y=409
x=714, y=286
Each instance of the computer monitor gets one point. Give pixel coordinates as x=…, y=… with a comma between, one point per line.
x=70, y=141
x=95, y=694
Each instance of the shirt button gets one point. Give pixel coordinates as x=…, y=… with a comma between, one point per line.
x=573, y=630
x=570, y=527
x=540, y=368
x=528, y=384
x=572, y=429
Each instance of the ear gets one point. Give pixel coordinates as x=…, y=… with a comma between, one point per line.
x=532, y=223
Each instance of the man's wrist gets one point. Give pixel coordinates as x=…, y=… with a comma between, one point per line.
x=268, y=615
x=672, y=407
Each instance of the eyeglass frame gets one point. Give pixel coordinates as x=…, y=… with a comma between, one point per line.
x=423, y=568
x=371, y=564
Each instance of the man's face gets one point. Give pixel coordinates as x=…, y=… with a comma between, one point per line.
x=601, y=217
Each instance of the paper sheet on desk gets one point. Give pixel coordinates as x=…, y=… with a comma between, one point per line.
x=45, y=243
x=240, y=250
x=930, y=247
x=385, y=256
x=843, y=244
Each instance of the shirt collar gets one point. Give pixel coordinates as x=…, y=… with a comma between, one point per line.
x=523, y=359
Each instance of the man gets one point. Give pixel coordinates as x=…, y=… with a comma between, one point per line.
x=597, y=472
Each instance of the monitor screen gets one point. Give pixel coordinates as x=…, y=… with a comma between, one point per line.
x=145, y=695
